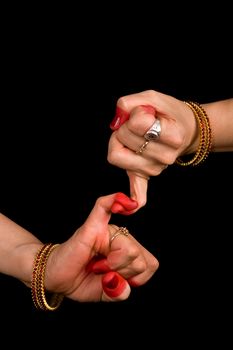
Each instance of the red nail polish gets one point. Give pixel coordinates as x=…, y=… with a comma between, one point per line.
x=120, y=117
x=117, y=209
x=100, y=266
x=113, y=284
x=123, y=204
x=91, y=266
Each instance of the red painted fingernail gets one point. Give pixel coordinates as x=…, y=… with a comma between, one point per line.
x=120, y=117
x=123, y=204
x=113, y=284
x=91, y=265
x=100, y=266
x=118, y=209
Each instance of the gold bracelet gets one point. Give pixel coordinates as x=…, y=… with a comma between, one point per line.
x=38, y=277
x=205, y=135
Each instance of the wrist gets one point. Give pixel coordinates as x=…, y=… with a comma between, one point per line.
x=38, y=288
x=221, y=119
x=193, y=135
x=26, y=254
x=205, y=136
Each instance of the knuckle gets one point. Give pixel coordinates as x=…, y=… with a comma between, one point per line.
x=141, y=266
x=142, y=202
x=99, y=200
x=156, y=171
x=132, y=252
x=122, y=102
x=178, y=140
x=150, y=93
x=168, y=158
x=113, y=158
x=110, y=157
x=154, y=264
x=132, y=123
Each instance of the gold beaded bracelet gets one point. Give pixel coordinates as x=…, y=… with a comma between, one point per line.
x=38, y=277
x=205, y=135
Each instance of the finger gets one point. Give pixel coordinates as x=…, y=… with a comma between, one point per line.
x=150, y=163
x=122, y=115
x=123, y=204
x=141, y=278
x=104, y=206
x=115, y=287
x=155, y=99
x=98, y=265
x=131, y=134
x=141, y=269
x=138, y=188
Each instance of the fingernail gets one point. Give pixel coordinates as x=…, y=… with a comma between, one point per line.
x=119, y=209
x=120, y=117
x=123, y=204
x=126, y=202
x=96, y=259
x=100, y=266
x=113, y=284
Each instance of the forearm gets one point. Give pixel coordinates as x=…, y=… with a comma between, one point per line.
x=18, y=248
x=221, y=121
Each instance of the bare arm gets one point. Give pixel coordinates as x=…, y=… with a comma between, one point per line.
x=18, y=248
x=221, y=120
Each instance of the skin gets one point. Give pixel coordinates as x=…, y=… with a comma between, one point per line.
x=85, y=267
x=136, y=113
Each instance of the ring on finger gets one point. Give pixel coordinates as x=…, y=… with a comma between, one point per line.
x=121, y=231
x=142, y=147
x=154, y=132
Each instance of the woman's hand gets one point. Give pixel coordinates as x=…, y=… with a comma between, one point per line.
x=91, y=266
x=135, y=114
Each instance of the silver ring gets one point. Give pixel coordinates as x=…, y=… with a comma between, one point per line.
x=154, y=132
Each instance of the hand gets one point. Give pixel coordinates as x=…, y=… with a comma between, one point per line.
x=135, y=114
x=88, y=268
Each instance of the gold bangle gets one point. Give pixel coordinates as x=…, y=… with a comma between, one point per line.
x=205, y=135
x=37, y=283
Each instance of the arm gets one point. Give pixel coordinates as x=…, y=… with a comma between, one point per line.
x=18, y=248
x=221, y=120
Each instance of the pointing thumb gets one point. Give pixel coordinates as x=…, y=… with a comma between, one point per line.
x=138, y=188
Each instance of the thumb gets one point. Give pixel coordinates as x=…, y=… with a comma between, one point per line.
x=106, y=205
x=115, y=287
x=138, y=188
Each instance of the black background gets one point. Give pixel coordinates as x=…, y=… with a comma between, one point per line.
x=61, y=81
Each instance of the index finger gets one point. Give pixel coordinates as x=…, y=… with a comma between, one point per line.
x=126, y=104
